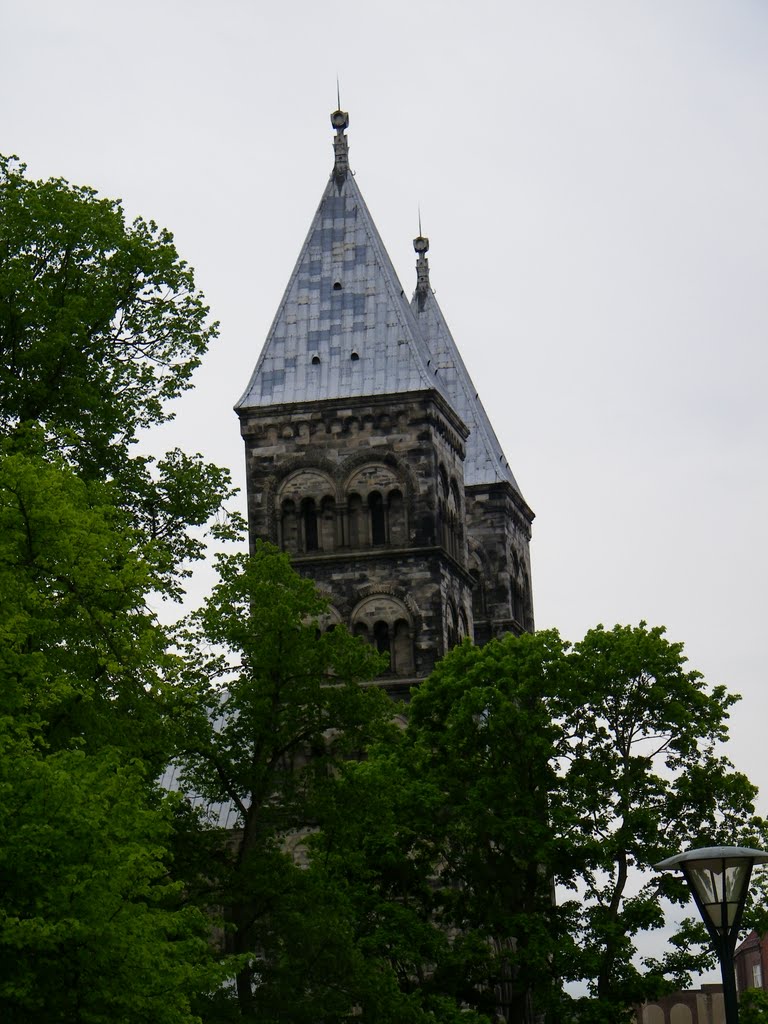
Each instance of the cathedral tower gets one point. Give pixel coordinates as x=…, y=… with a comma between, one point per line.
x=369, y=456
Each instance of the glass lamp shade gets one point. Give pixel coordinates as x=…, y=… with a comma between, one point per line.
x=720, y=887
x=719, y=878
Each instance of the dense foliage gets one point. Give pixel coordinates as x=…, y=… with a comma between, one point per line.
x=99, y=327
x=100, y=323
x=644, y=775
x=92, y=926
x=272, y=707
x=753, y=1007
x=527, y=762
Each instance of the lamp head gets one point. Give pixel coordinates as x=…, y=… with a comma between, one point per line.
x=719, y=879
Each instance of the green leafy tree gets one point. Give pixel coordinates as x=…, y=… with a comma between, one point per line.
x=643, y=773
x=482, y=735
x=100, y=323
x=449, y=863
x=81, y=657
x=753, y=1006
x=92, y=926
x=274, y=708
x=524, y=762
x=375, y=861
x=92, y=929
x=100, y=327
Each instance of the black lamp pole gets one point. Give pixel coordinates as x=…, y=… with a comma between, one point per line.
x=718, y=877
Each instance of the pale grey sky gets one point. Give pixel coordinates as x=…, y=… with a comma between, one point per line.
x=592, y=175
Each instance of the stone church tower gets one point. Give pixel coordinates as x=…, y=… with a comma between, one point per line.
x=369, y=456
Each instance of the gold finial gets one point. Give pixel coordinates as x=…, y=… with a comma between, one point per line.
x=420, y=244
x=339, y=118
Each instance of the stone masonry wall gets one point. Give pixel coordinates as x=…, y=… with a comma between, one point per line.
x=367, y=496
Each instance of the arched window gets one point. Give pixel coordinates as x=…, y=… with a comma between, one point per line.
x=289, y=527
x=443, y=483
x=309, y=524
x=396, y=514
x=453, y=538
x=527, y=601
x=516, y=592
x=402, y=649
x=306, y=508
x=453, y=546
x=381, y=637
x=442, y=525
x=478, y=596
x=384, y=621
x=456, y=496
x=380, y=489
x=517, y=599
x=463, y=626
x=451, y=628
x=449, y=503
x=328, y=524
x=356, y=531
x=378, y=526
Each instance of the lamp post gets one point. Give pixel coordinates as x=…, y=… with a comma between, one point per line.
x=718, y=877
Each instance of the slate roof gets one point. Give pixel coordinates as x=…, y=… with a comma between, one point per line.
x=345, y=329
x=484, y=461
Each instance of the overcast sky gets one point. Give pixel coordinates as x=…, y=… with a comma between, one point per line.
x=593, y=178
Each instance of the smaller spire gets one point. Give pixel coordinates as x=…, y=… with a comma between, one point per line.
x=421, y=247
x=340, y=121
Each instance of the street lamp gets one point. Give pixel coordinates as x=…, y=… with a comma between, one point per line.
x=718, y=877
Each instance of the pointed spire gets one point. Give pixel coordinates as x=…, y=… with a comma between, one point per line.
x=484, y=462
x=344, y=327
x=340, y=121
x=421, y=246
